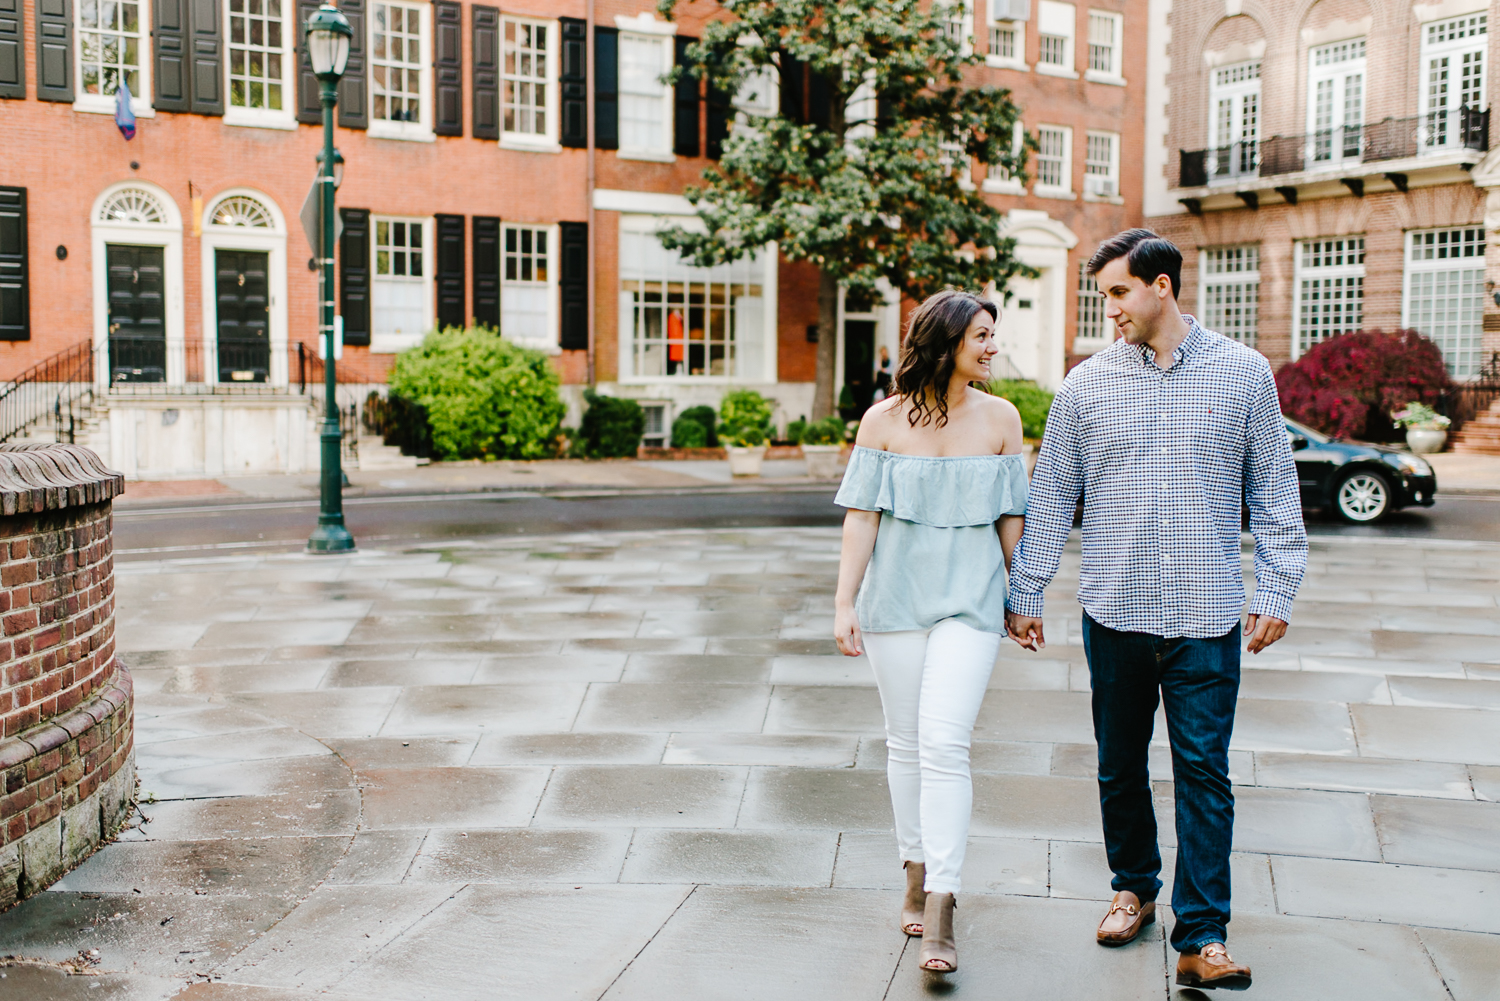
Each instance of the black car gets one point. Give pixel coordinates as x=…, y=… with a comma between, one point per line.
x=1360, y=483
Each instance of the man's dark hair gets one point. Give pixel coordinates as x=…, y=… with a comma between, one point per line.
x=1147, y=256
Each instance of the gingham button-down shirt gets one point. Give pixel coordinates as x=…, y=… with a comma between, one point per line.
x=1162, y=459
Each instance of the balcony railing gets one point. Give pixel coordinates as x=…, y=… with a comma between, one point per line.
x=1391, y=139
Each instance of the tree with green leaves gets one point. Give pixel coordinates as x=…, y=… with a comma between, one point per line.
x=863, y=167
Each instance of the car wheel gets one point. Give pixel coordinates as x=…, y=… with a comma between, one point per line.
x=1362, y=497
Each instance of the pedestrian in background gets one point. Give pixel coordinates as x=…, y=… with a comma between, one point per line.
x=883, y=375
x=936, y=491
x=1163, y=434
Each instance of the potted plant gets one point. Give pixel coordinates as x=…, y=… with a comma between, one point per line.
x=822, y=441
x=1426, y=429
x=744, y=427
x=747, y=449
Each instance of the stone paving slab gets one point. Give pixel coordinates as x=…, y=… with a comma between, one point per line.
x=628, y=765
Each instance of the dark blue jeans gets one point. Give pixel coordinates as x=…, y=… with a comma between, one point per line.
x=1199, y=680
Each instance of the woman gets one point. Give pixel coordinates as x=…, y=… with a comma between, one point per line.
x=936, y=492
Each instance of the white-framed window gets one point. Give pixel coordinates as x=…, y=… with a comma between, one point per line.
x=114, y=47
x=529, y=72
x=1055, y=24
x=1234, y=122
x=1336, y=101
x=1007, y=33
x=1229, y=291
x=401, y=282
x=1452, y=77
x=1330, y=289
x=528, y=285
x=679, y=321
x=655, y=432
x=260, y=63
x=958, y=23
x=1094, y=329
x=999, y=180
x=1444, y=294
x=645, y=102
x=400, y=73
x=1054, y=160
x=955, y=159
x=1101, y=165
x=1106, y=37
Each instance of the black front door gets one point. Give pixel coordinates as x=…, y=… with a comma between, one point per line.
x=137, y=328
x=859, y=367
x=244, y=315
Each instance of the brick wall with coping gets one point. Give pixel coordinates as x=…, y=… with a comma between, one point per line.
x=66, y=747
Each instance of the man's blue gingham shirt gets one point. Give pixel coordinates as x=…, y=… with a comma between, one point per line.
x=1162, y=459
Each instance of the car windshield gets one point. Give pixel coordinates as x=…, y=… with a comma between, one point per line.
x=1294, y=428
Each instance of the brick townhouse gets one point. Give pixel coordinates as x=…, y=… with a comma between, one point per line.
x=501, y=165
x=1326, y=167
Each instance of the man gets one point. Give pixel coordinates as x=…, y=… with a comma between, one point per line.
x=1163, y=433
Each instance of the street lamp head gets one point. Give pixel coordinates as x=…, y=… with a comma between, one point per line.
x=328, y=35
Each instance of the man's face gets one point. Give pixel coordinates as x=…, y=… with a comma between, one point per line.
x=1135, y=306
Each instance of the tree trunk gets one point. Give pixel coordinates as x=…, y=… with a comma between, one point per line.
x=828, y=344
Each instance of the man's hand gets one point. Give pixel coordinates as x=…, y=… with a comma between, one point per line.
x=1263, y=631
x=1025, y=630
x=846, y=632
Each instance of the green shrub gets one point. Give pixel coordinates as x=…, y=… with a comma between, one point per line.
x=483, y=397
x=611, y=426
x=795, y=430
x=745, y=436
x=688, y=433
x=828, y=431
x=399, y=422
x=705, y=416
x=744, y=413
x=1032, y=400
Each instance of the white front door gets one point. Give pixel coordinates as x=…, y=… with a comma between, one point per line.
x=1020, y=330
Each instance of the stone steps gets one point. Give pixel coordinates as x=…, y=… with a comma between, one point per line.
x=375, y=454
x=1480, y=436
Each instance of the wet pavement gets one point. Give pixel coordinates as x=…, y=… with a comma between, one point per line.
x=630, y=765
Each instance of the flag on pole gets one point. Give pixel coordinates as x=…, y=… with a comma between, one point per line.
x=124, y=117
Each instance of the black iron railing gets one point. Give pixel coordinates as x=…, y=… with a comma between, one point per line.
x=1390, y=139
x=58, y=390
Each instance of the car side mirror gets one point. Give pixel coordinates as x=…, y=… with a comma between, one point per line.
x=1298, y=442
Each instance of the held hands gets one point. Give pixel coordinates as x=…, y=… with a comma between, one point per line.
x=1263, y=631
x=846, y=632
x=1026, y=631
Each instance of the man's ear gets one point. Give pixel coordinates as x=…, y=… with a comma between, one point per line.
x=1163, y=286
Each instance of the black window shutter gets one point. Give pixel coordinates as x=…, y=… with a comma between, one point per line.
x=607, y=88
x=354, y=275
x=12, y=50
x=485, y=32
x=487, y=271
x=448, y=67
x=450, y=271
x=720, y=114
x=574, y=81
x=54, y=50
x=207, y=56
x=354, y=104
x=573, y=284
x=15, y=300
x=685, y=101
x=309, y=107
x=793, y=75
x=169, y=43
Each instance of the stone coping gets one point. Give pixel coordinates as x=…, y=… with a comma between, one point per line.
x=54, y=733
x=51, y=477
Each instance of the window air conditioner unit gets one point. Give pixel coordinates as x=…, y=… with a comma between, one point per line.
x=1010, y=10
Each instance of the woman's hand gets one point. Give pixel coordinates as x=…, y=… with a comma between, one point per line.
x=846, y=632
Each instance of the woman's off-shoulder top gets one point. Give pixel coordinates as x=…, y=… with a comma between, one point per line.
x=937, y=555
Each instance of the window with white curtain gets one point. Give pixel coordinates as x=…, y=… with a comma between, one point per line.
x=1336, y=101
x=399, y=286
x=1055, y=24
x=1101, y=165
x=1105, y=36
x=1007, y=34
x=1330, y=289
x=1093, y=326
x=645, y=102
x=1054, y=171
x=1234, y=124
x=1453, y=78
x=1229, y=291
x=528, y=285
x=1444, y=295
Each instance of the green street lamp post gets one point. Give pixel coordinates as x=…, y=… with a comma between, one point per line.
x=328, y=35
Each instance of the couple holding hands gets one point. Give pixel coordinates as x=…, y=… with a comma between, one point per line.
x=947, y=551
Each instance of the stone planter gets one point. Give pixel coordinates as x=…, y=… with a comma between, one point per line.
x=822, y=460
x=745, y=460
x=1426, y=440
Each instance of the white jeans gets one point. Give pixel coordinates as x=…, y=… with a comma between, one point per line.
x=931, y=684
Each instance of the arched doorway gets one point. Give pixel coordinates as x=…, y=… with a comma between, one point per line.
x=138, y=310
x=244, y=289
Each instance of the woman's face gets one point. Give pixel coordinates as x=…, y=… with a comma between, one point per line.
x=972, y=363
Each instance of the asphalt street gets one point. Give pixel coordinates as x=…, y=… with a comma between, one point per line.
x=167, y=530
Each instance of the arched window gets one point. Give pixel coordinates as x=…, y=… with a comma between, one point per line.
x=133, y=206
x=242, y=211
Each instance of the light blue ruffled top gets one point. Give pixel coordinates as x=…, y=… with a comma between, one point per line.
x=937, y=555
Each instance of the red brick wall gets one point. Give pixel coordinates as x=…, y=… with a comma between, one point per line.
x=57, y=613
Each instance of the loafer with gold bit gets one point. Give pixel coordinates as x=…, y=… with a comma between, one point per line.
x=1212, y=968
x=1126, y=917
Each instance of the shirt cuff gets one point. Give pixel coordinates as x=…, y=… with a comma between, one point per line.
x=1024, y=604
x=1277, y=606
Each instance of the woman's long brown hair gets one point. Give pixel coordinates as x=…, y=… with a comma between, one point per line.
x=928, y=354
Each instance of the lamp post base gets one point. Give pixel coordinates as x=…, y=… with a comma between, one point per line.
x=330, y=538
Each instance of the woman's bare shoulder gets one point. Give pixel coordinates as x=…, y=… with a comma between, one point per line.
x=879, y=421
x=1004, y=421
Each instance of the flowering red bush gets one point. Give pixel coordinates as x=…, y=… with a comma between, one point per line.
x=1349, y=385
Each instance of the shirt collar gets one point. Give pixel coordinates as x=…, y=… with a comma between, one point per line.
x=1190, y=344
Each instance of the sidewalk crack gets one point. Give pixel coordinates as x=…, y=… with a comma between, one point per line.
x=686, y=897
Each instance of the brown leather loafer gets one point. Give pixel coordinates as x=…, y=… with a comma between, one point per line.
x=1126, y=917
x=1212, y=968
